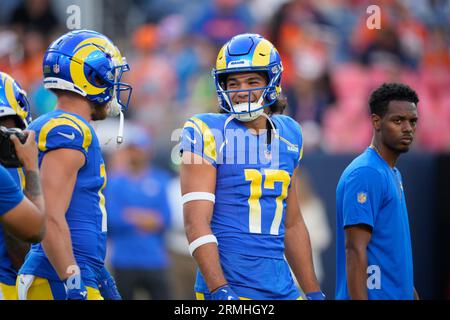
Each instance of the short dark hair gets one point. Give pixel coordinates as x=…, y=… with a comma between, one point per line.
x=380, y=98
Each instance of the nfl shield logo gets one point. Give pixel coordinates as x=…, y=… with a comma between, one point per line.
x=362, y=197
x=56, y=68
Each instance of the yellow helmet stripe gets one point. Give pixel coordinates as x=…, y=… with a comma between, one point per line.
x=9, y=90
x=53, y=123
x=104, y=43
x=86, y=131
x=209, y=142
x=77, y=71
x=261, y=55
x=221, y=62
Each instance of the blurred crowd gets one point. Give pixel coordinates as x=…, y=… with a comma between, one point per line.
x=332, y=61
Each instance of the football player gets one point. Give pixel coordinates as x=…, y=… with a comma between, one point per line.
x=15, y=113
x=237, y=177
x=84, y=69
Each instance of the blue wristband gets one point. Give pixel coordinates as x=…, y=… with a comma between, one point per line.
x=224, y=293
x=317, y=295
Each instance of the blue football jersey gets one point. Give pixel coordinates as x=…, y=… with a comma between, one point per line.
x=86, y=215
x=253, y=181
x=370, y=192
x=7, y=272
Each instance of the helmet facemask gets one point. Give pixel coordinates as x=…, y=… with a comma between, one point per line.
x=120, y=91
x=247, y=111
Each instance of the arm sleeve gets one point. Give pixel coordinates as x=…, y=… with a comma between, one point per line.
x=63, y=133
x=197, y=138
x=10, y=193
x=362, y=197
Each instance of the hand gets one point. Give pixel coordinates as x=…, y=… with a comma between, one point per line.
x=27, y=152
x=145, y=219
x=317, y=295
x=224, y=293
x=107, y=285
x=75, y=288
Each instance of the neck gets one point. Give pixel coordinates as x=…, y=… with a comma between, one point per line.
x=75, y=104
x=257, y=125
x=386, y=153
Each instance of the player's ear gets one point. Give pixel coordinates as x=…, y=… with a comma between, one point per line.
x=376, y=122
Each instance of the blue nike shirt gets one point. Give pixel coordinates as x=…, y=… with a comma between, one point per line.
x=132, y=248
x=371, y=192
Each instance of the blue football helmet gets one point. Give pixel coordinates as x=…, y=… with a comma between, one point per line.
x=87, y=62
x=13, y=101
x=248, y=53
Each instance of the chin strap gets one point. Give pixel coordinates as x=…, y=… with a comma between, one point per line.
x=119, y=139
x=233, y=116
x=229, y=119
x=271, y=124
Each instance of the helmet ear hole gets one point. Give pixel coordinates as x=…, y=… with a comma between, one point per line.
x=94, y=78
x=99, y=81
x=223, y=80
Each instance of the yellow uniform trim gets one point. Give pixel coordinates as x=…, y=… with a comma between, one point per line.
x=199, y=296
x=261, y=55
x=273, y=176
x=93, y=294
x=301, y=150
x=8, y=292
x=86, y=131
x=190, y=124
x=102, y=198
x=22, y=178
x=255, y=178
x=209, y=142
x=53, y=123
x=40, y=290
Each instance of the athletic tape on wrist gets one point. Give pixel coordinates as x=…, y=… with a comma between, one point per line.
x=209, y=238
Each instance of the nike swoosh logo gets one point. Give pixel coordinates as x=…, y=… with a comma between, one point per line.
x=68, y=136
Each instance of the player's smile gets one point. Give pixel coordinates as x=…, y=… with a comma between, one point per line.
x=246, y=82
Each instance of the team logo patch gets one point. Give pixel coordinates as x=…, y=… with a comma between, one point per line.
x=362, y=197
x=293, y=148
x=56, y=68
x=238, y=63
